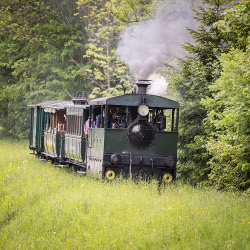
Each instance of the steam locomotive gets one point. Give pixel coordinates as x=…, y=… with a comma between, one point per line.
x=134, y=135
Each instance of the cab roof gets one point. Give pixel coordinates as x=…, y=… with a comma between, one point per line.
x=135, y=100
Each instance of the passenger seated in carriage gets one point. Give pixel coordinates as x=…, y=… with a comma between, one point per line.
x=99, y=120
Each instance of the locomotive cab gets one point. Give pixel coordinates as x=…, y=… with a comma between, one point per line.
x=136, y=136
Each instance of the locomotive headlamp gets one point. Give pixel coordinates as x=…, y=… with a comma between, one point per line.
x=143, y=110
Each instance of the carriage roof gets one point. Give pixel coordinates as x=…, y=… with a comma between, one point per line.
x=136, y=100
x=57, y=105
x=53, y=104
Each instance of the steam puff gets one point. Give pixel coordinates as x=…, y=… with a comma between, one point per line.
x=158, y=85
x=144, y=47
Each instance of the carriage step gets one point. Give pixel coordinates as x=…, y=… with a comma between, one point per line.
x=42, y=159
x=81, y=172
x=61, y=166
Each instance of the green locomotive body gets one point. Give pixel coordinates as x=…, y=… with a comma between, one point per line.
x=111, y=151
x=134, y=135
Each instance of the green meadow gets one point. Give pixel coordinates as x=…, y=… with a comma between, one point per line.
x=43, y=207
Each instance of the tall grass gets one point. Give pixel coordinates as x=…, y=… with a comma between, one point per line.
x=43, y=207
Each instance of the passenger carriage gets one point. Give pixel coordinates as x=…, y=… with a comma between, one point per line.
x=57, y=130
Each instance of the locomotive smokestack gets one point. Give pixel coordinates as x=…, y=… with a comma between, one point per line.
x=142, y=86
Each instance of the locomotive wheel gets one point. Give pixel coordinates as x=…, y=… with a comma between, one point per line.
x=110, y=175
x=167, y=178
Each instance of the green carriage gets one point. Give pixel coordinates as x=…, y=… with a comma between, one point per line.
x=57, y=130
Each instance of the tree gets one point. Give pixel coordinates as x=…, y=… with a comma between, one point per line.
x=236, y=25
x=192, y=83
x=228, y=122
x=105, y=20
x=103, y=69
x=130, y=11
x=228, y=119
x=40, y=43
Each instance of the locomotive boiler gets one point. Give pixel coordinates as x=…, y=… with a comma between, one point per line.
x=133, y=135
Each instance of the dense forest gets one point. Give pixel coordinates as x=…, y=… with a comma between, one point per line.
x=52, y=50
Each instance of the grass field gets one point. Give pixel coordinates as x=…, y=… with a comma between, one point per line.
x=43, y=207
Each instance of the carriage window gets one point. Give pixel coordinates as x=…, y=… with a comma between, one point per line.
x=69, y=124
x=61, y=122
x=45, y=122
x=77, y=125
x=50, y=122
x=48, y=126
x=54, y=122
x=74, y=125
x=80, y=126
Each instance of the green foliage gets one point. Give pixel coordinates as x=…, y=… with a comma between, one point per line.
x=228, y=122
x=236, y=24
x=208, y=39
x=129, y=11
x=102, y=69
x=41, y=48
x=43, y=207
x=118, y=90
x=212, y=149
x=192, y=83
